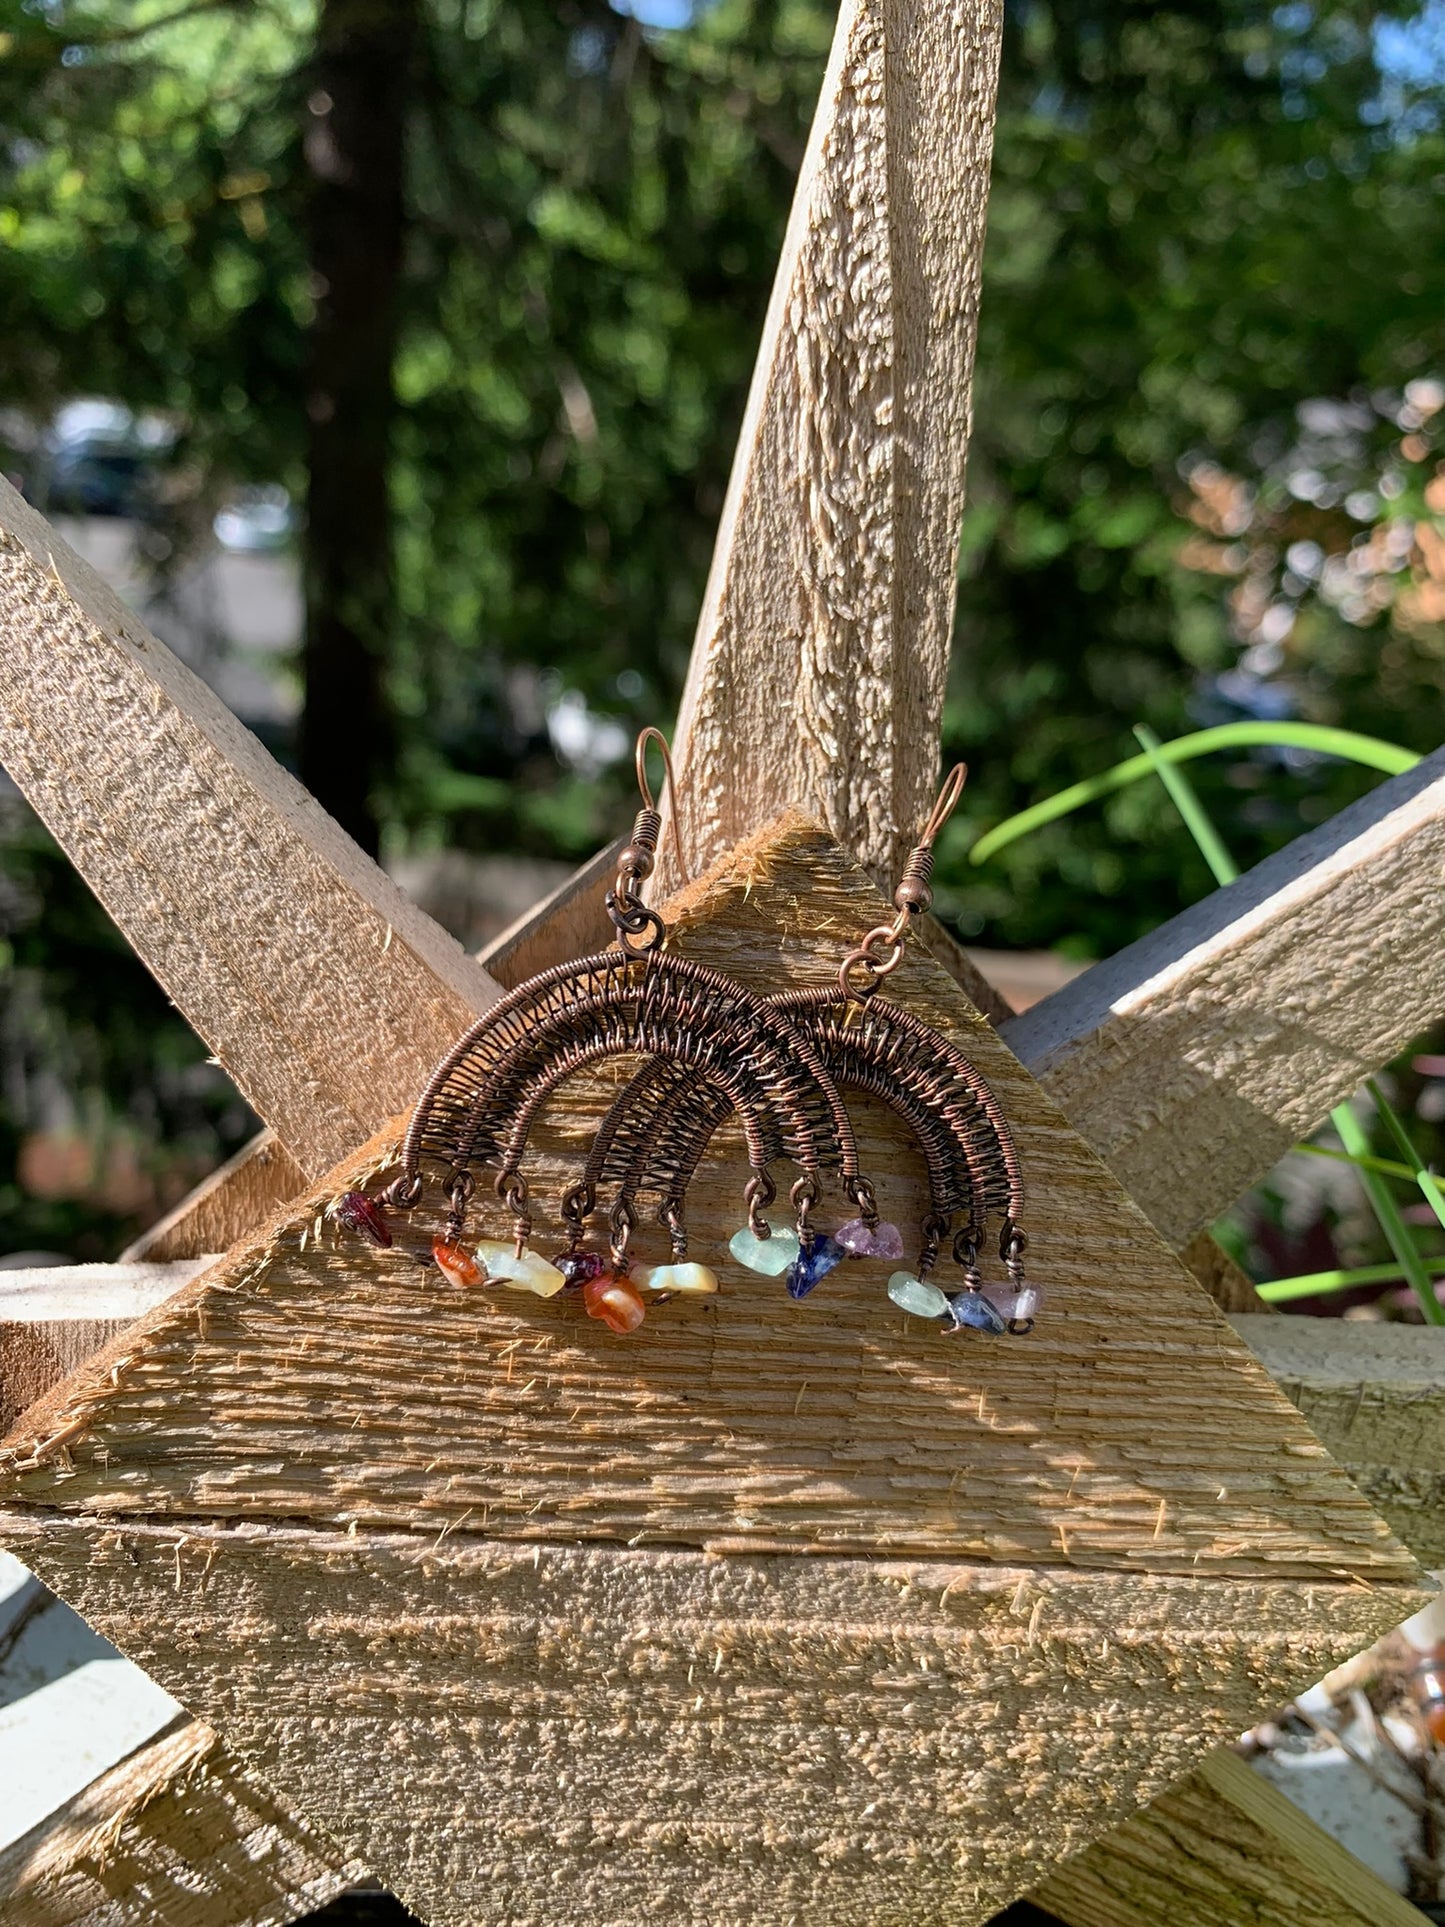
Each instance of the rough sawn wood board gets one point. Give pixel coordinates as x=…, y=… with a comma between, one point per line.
x=300, y=1495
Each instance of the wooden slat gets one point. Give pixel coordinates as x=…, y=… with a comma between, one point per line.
x=1222, y=1848
x=1240, y=1023
x=233, y=1200
x=319, y=986
x=307, y=1386
x=818, y=673
x=659, y=1735
x=175, y=1836
x=52, y=1320
x=1375, y=1396
x=262, y=1176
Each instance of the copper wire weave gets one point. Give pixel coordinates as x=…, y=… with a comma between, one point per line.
x=481, y=1102
x=660, y=1126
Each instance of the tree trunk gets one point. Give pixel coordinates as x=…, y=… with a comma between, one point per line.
x=354, y=144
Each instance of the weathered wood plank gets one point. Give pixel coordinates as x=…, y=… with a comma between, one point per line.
x=262, y=1176
x=175, y=1836
x=52, y=1320
x=233, y=1200
x=304, y=1383
x=1131, y=1428
x=1221, y=1848
x=543, y=1734
x=818, y=673
x=1375, y=1396
x=1240, y=1023
x=319, y=987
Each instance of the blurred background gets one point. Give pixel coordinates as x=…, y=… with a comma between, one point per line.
x=389, y=356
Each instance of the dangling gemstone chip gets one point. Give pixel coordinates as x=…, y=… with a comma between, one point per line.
x=810, y=1267
x=771, y=1256
x=914, y=1295
x=686, y=1280
x=1018, y=1302
x=531, y=1272
x=354, y=1211
x=616, y=1301
x=859, y=1240
x=456, y=1263
x=579, y=1267
x=973, y=1312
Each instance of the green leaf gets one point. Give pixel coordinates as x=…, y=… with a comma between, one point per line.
x=1385, y=1166
x=1311, y=1284
x=1368, y=750
x=1196, y=821
x=1402, y=1241
x=1419, y=1171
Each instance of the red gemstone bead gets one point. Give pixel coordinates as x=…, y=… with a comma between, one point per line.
x=355, y=1212
x=579, y=1267
x=616, y=1301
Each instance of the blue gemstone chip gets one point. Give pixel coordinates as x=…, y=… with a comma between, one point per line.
x=973, y=1312
x=813, y=1265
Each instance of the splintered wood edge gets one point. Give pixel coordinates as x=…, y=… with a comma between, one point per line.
x=176, y=1816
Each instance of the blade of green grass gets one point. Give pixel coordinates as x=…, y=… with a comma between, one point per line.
x=1385, y=1166
x=1388, y=758
x=1420, y=1172
x=1196, y=819
x=1402, y=1242
x=1311, y=1284
x=1351, y=1132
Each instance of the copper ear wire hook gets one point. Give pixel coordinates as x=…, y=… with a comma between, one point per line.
x=881, y=951
x=946, y=804
x=654, y=735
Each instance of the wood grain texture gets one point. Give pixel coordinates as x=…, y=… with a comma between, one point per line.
x=180, y=1493
x=571, y=922
x=1222, y=1849
x=233, y=1200
x=174, y=1836
x=1240, y=1023
x=319, y=987
x=550, y=1734
x=1227, y=1283
x=1375, y=1396
x=52, y=1320
x=1133, y=1428
x=818, y=673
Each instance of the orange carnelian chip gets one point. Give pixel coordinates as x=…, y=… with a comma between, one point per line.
x=456, y=1263
x=616, y=1301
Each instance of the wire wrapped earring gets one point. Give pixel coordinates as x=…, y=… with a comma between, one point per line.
x=717, y=1043
x=872, y=1045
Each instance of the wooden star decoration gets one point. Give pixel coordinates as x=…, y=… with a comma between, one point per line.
x=770, y=1612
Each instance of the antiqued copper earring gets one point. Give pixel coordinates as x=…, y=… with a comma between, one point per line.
x=707, y=1042
x=872, y=1045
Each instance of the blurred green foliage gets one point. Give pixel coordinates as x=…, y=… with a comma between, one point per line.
x=1204, y=477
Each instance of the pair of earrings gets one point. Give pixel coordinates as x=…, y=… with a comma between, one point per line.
x=711, y=1049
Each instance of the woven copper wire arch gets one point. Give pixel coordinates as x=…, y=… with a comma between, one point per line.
x=972, y=1160
x=657, y=1133
x=481, y=1101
